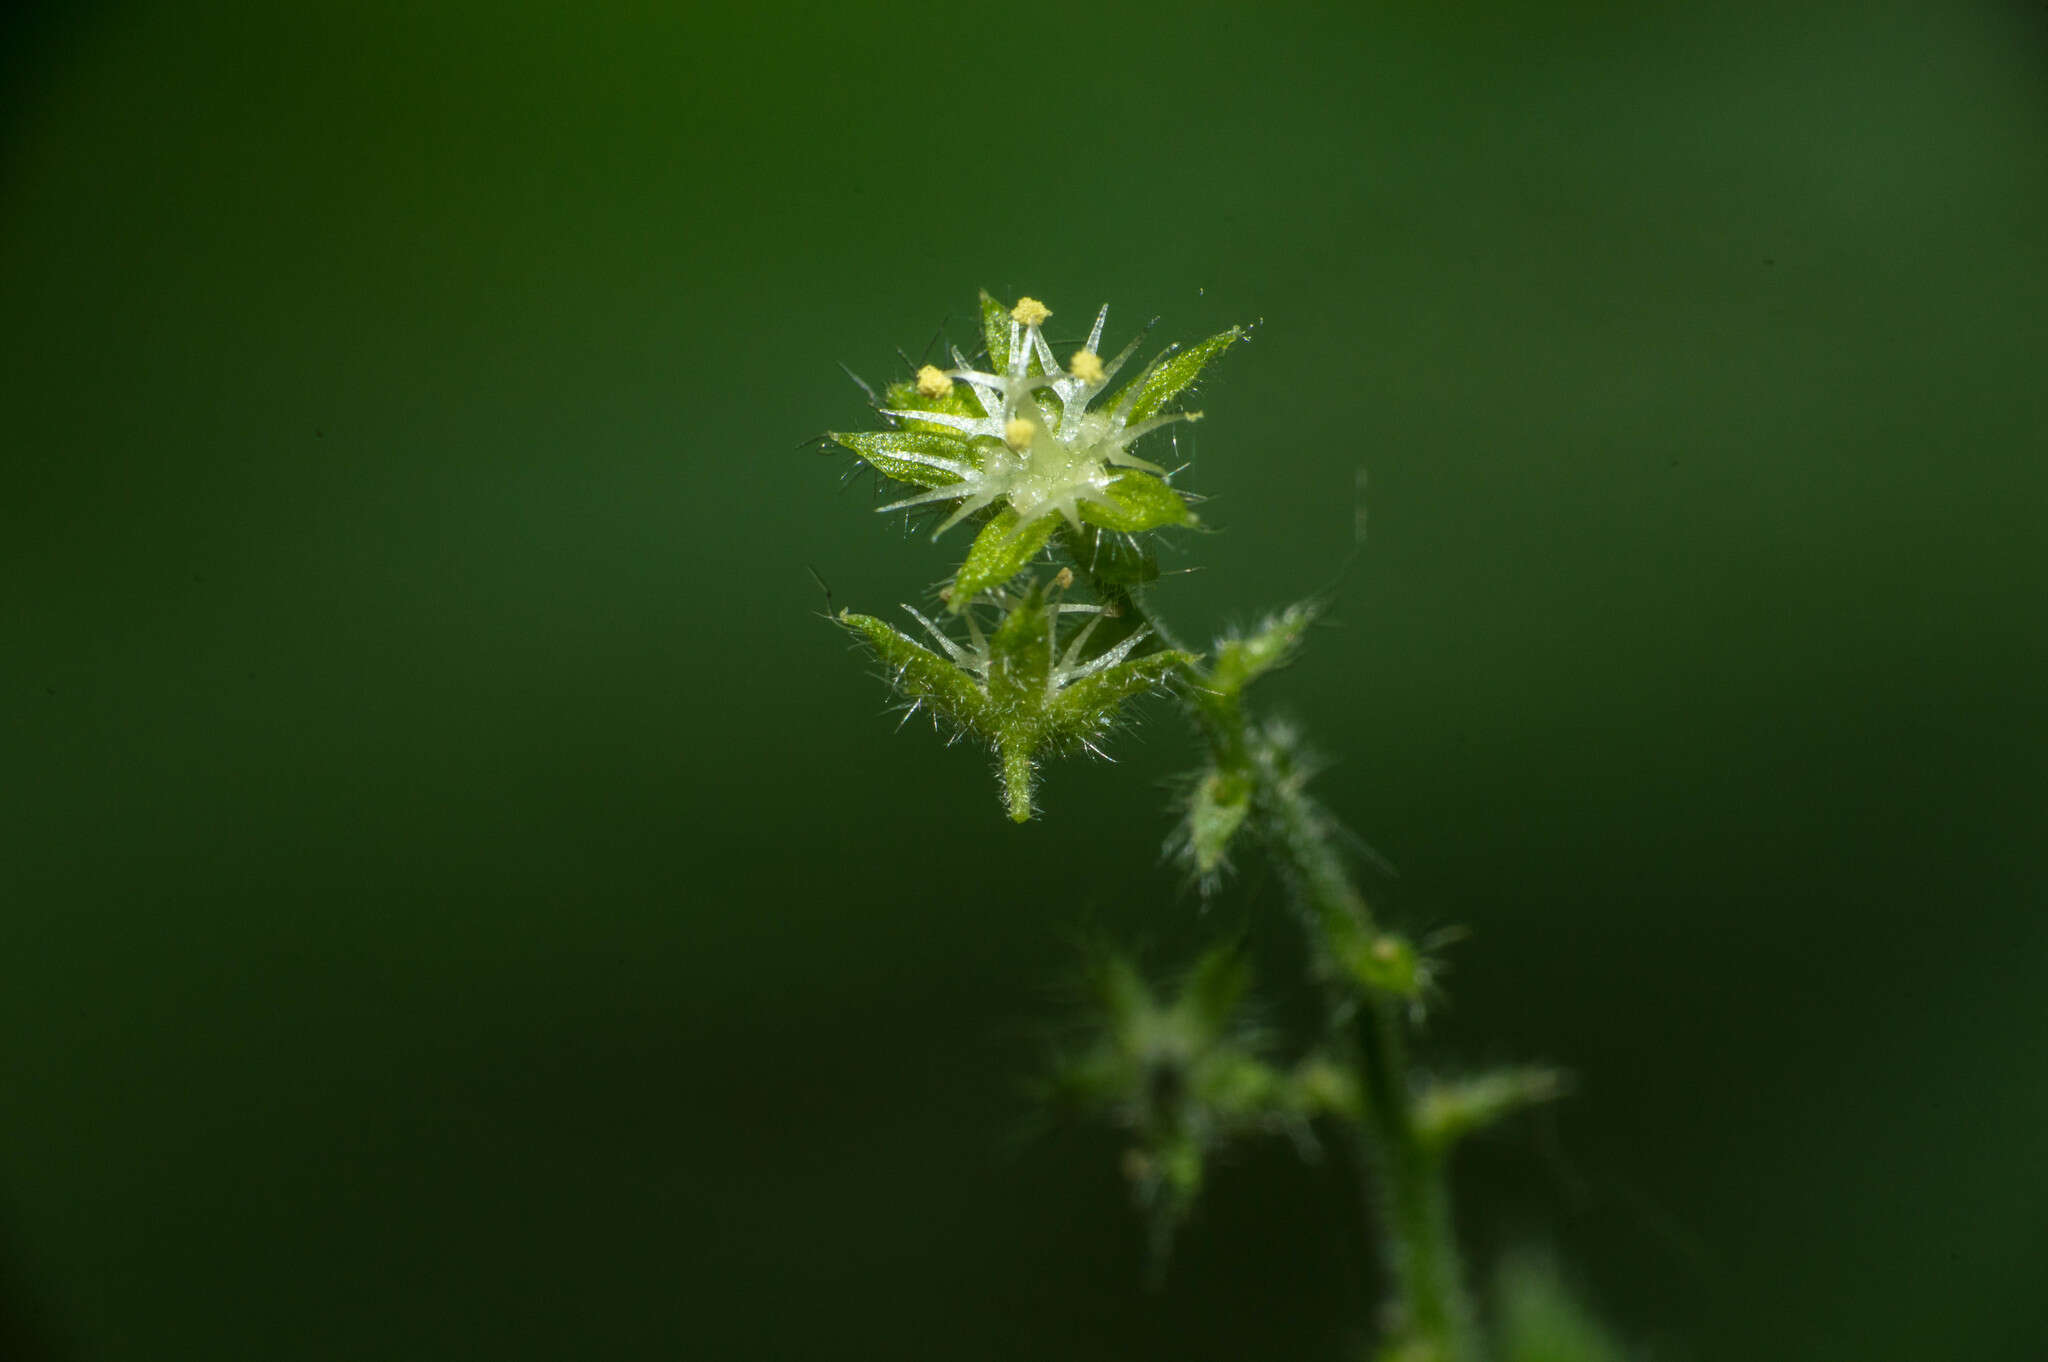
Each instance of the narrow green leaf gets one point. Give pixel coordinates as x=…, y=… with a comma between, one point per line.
x=1244, y=659
x=1451, y=1108
x=919, y=457
x=918, y=673
x=995, y=328
x=1136, y=501
x=1095, y=698
x=1001, y=551
x=1175, y=374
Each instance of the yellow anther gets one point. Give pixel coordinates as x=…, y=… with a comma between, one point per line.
x=1064, y=578
x=1029, y=312
x=1017, y=435
x=932, y=382
x=1086, y=365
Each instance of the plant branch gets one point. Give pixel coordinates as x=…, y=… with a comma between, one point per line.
x=1369, y=979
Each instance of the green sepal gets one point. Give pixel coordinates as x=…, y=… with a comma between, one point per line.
x=1008, y=691
x=1109, y=557
x=1172, y=376
x=1216, y=812
x=1449, y=1109
x=1092, y=700
x=884, y=451
x=995, y=328
x=1001, y=551
x=1136, y=501
x=918, y=673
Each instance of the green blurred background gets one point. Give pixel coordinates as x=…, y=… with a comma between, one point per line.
x=459, y=900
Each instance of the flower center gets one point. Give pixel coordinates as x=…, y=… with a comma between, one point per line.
x=1051, y=474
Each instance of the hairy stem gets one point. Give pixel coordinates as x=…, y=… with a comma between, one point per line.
x=1433, y=1317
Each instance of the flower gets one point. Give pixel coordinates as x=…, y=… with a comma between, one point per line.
x=1024, y=444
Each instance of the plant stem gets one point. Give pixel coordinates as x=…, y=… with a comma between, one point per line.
x=1433, y=1316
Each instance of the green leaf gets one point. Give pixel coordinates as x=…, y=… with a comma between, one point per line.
x=1244, y=659
x=1173, y=375
x=1451, y=1108
x=1136, y=501
x=912, y=456
x=918, y=673
x=1094, y=699
x=1001, y=551
x=995, y=328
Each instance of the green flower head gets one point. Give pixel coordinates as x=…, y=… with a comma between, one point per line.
x=1026, y=445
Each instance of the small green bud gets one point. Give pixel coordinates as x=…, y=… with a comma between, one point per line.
x=1387, y=963
x=1216, y=811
